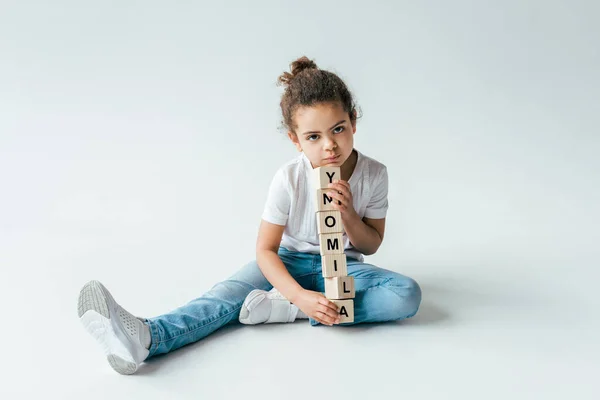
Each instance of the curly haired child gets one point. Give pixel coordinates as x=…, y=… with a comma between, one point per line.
x=284, y=283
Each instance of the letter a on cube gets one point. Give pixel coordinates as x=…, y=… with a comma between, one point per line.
x=345, y=309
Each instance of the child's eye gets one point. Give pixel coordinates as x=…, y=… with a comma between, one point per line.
x=334, y=130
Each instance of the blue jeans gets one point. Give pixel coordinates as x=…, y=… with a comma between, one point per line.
x=381, y=295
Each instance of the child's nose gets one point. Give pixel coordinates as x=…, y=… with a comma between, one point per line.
x=330, y=145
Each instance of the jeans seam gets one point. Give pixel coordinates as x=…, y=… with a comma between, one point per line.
x=201, y=326
x=155, y=340
x=302, y=276
x=388, y=287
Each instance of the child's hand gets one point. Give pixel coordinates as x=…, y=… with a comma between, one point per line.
x=317, y=307
x=340, y=190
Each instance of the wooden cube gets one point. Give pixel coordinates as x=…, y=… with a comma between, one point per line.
x=323, y=202
x=331, y=243
x=339, y=287
x=323, y=176
x=346, y=310
x=329, y=222
x=334, y=265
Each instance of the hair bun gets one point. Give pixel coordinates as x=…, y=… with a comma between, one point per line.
x=296, y=67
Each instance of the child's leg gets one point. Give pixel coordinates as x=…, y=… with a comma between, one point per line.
x=128, y=340
x=221, y=304
x=204, y=315
x=125, y=337
x=381, y=295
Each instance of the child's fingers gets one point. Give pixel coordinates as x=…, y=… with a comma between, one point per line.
x=337, y=190
x=327, y=303
x=340, y=185
x=330, y=310
x=326, y=318
x=341, y=195
x=337, y=196
x=345, y=184
x=319, y=317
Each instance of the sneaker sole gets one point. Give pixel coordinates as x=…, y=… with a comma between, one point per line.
x=93, y=309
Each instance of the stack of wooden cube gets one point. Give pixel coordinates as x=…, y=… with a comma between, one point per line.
x=339, y=287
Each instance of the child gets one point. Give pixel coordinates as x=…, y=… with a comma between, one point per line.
x=284, y=283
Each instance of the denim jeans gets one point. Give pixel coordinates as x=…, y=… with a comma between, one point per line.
x=381, y=295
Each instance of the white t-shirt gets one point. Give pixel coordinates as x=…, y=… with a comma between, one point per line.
x=290, y=201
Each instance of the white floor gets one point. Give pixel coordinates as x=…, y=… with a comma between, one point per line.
x=137, y=145
x=492, y=330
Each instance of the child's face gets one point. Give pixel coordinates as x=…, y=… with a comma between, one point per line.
x=320, y=136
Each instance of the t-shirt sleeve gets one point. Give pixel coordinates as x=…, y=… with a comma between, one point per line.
x=378, y=204
x=277, y=206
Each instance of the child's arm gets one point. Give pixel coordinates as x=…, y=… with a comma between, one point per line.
x=313, y=304
x=365, y=235
x=267, y=245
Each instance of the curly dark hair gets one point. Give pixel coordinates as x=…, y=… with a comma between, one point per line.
x=307, y=85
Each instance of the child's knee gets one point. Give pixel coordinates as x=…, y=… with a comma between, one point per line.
x=414, y=296
x=410, y=293
x=414, y=290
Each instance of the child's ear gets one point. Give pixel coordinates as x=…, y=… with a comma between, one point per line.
x=294, y=139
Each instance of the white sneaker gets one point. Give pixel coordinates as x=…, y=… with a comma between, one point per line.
x=265, y=307
x=124, y=338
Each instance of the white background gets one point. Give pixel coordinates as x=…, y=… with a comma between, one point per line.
x=138, y=139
